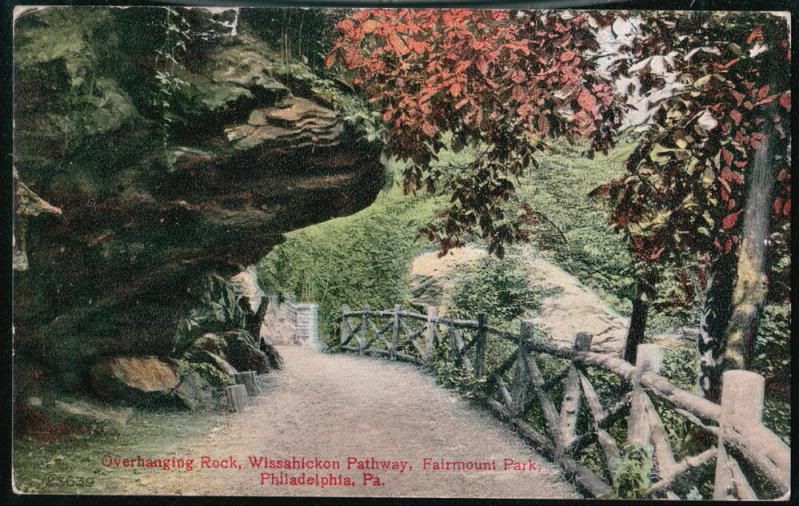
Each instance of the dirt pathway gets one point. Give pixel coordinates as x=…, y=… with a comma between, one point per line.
x=333, y=407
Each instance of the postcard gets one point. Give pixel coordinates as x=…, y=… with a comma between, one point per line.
x=394, y=252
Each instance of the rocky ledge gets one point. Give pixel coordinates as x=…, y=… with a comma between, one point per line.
x=135, y=199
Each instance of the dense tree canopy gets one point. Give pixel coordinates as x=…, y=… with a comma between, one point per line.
x=501, y=80
x=508, y=82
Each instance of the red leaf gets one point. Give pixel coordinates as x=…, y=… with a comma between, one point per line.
x=482, y=65
x=345, y=25
x=729, y=221
x=518, y=93
x=586, y=100
x=455, y=89
x=786, y=209
x=757, y=33
x=567, y=56
x=777, y=206
x=428, y=129
x=543, y=125
x=329, y=59
x=729, y=176
x=785, y=101
x=727, y=156
x=399, y=46
x=736, y=116
x=762, y=92
x=369, y=26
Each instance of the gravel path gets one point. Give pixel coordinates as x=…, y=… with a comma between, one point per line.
x=333, y=407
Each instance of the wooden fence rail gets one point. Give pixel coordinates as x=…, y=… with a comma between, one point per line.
x=517, y=385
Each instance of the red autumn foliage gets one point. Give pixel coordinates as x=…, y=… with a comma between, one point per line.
x=505, y=79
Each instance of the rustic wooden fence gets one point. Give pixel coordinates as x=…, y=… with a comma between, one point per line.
x=740, y=444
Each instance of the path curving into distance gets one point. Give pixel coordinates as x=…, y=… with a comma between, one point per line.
x=336, y=406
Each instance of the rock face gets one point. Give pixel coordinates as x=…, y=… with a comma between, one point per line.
x=155, y=189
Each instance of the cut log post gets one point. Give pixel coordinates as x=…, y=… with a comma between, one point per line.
x=237, y=397
x=362, y=331
x=518, y=388
x=741, y=406
x=395, y=329
x=648, y=358
x=458, y=336
x=570, y=406
x=454, y=351
x=247, y=378
x=344, y=327
x=664, y=457
x=606, y=441
x=547, y=406
x=480, y=345
x=430, y=331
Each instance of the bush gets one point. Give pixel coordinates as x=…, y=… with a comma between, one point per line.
x=496, y=287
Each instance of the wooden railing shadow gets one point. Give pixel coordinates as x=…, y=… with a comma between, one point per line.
x=740, y=444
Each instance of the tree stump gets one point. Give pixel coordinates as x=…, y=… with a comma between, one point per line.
x=247, y=378
x=237, y=397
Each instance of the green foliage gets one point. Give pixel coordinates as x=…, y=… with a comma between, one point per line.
x=354, y=260
x=453, y=375
x=575, y=228
x=633, y=474
x=367, y=122
x=206, y=371
x=176, y=33
x=772, y=355
x=496, y=287
x=218, y=310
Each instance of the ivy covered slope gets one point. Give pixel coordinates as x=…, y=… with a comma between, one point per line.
x=167, y=144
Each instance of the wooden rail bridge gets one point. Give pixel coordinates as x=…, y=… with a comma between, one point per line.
x=517, y=390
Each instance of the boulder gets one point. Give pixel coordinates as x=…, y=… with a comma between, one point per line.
x=142, y=380
x=218, y=362
x=243, y=352
x=194, y=392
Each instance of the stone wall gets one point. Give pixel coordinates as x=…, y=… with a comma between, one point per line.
x=288, y=322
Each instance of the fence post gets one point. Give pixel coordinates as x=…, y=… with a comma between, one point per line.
x=362, y=330
x=480, y=345
x=648, y=358
x=430, y=331
x=343, y=333
x=741, y=404
x=518, y=389
x=570, y=406
x=395, y=330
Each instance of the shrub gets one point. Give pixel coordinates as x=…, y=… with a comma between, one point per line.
x=496, y=287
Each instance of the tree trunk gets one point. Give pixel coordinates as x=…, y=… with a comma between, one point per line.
x=751, y=282
x=644, y=293
x=717, y=307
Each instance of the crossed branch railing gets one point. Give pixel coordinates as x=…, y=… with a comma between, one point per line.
x=517, y=385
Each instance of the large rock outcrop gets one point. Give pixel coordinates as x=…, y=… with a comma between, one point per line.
x=154, y=189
